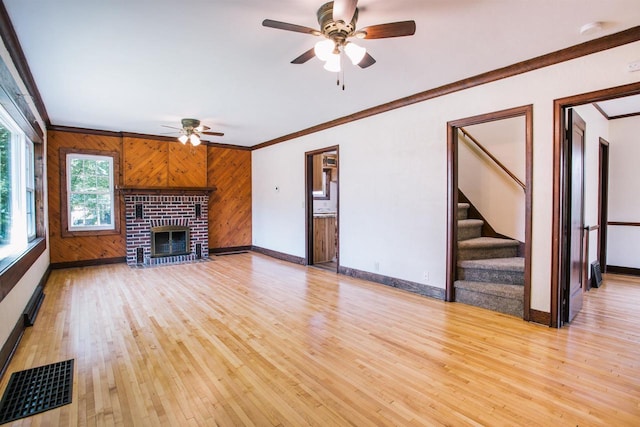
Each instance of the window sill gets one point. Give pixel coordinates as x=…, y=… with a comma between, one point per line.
x=85, y=233
x=13, y=267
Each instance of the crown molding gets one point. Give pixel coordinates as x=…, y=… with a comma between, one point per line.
x=607, y=42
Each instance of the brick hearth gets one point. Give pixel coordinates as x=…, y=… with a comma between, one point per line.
x=146, y=211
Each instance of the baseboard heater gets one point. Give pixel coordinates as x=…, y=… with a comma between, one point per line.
x=596, y=274
x=33, y=306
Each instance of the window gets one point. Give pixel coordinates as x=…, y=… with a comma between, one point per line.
x=90, y=192
x=30, y=190
x=17, y=188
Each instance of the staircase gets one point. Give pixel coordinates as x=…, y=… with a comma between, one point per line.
x=490, y=273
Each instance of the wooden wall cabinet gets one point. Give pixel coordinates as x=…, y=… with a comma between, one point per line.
x=324, y=238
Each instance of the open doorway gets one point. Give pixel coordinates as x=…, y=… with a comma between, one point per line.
x=322, y=222
x=485, y=267
x=603, y=202
x=567, y=254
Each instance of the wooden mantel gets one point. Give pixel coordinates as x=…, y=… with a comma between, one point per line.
x=166, y=190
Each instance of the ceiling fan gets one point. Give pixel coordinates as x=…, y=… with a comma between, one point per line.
x=337, y=21
x=192, y=130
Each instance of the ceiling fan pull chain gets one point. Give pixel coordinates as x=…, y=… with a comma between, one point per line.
x=343, y=79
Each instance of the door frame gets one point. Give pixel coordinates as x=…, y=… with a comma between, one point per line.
x=603, y=202
x=559, y=177
x=308, y=202
x=452, y=194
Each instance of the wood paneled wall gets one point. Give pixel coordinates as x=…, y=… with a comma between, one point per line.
x=154, y=163
x=230, y=205
x=69, y=249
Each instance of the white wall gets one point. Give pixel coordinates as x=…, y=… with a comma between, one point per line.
x=499, y=199
x=596, y=127
x=623, y=243
x=12, y=306
x=393, y=177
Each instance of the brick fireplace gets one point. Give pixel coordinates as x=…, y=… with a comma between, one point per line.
x=170, y=218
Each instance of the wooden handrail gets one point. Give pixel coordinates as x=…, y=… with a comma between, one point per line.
x=628, y=224
x=492, y=157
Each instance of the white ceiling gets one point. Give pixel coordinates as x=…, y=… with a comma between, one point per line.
x=135, y=65
x=621, y=106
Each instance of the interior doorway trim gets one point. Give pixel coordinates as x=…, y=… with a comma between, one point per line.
x=559, y=105
x=452, y=194
x=603, y=202
x=308, y=173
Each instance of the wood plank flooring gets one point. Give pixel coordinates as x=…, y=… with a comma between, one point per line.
x=249, y=340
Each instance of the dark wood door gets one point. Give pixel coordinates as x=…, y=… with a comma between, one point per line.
x=574, y=220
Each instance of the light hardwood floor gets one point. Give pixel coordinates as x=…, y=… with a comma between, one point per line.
x=249, y=340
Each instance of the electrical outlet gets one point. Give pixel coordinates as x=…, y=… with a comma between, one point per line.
x=376, y=266
x=425, y=276
x=634, y=66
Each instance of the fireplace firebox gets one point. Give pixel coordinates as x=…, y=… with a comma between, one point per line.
x=170, y=240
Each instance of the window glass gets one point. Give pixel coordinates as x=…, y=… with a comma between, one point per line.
x=30, y=190
x=5, y=186
x=90, y=193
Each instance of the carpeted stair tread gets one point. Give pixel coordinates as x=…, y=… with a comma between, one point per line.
x=463, y=210
x=469, y=228
x=503, y=264
x=487, y=242
x=470, y=223
x=497, y=289
x=508, y=299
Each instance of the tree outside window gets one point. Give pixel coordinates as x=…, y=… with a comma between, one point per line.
x=90, y=192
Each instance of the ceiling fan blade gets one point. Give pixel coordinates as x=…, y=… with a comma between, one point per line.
x=213, y=133
x=367, y=61
x=289, y=27
x=304, y=57
x=171, y=127
x=343, y=10
x=392, y=29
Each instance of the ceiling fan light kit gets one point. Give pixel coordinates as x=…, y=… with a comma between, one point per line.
x=324, y=48
x=337, y=21
x=354, y=52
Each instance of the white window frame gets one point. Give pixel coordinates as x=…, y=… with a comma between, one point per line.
x=110, y=192
x=23, y=225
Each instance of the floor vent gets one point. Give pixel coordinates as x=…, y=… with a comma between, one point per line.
x=37, y=390
x=596, y=275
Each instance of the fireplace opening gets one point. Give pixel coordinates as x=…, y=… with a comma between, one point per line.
x=169, y=240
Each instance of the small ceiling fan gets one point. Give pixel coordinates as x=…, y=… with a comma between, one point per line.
x=337, y=21
x=192, y=130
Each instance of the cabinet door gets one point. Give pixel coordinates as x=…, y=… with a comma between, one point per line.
x=330, y=238
x=317, y=172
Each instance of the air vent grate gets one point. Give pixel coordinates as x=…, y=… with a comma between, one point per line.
x=37, y=390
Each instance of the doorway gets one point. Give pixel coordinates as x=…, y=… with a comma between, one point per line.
x=603, y=202
x=562, y=261
x=454, y=251
x=322, y=213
